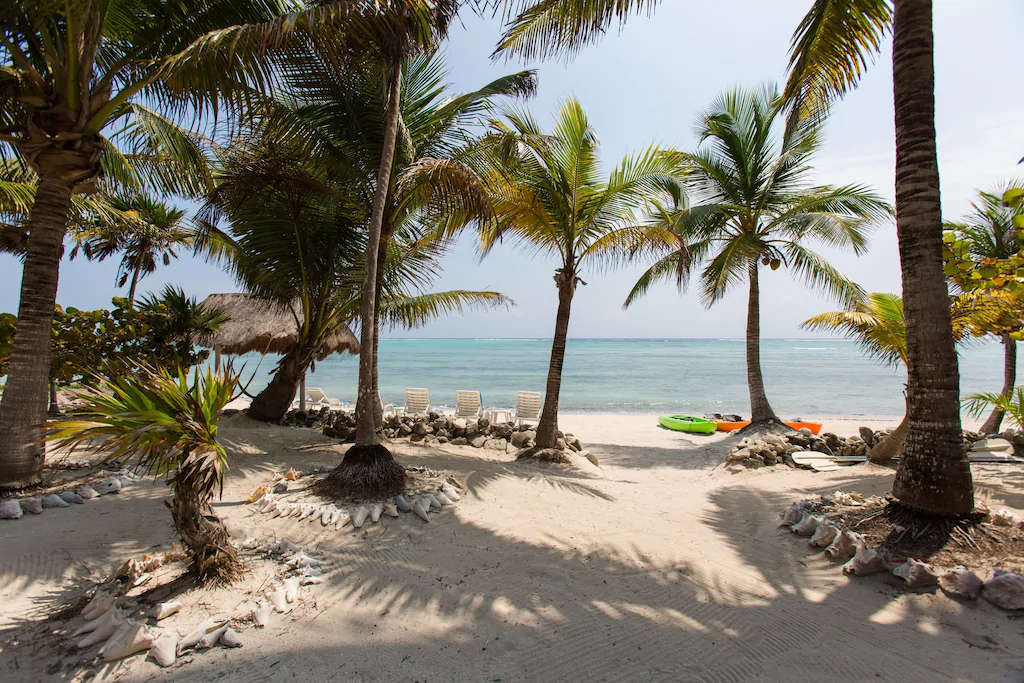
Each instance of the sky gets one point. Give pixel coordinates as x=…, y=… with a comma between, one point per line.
x=646, y=84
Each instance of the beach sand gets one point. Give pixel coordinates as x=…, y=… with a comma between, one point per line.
x=657, y=565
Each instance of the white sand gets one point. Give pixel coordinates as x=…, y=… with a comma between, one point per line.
x=656, y=566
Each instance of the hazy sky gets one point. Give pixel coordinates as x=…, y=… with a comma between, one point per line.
x=645, y=86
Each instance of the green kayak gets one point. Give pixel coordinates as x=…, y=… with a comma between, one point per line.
x=688, y=423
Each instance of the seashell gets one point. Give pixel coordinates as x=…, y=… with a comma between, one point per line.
x=844, y=545
x=266, y=503
x=250, y=543
x=450, y=491
x=441, y=498
x=10, y=509
x=291, y=474
x=307, y=510
x=1005, y=590
x=999, y=518
x=105, y=626
x=211, y=637
x=328, y=518
x=164, y=648
x=824, y=535
x=131, y=638
x=916, y=573
x=310, y=580
x=261, y=613
x=279, y=486
x=152, y=562
x=193, y=638
x=316, y=513
x=791, y=515
x=865, y=561
x=291, y=588
x=87, y=492
x=277, y=509
x=100, y=603
x=435, y=504
x=230, y=638
x=96, y=622
x=32, y=506
x=420, y=508
x=309, y=571
x=391, y=510
x=278, y=600
x=359, y=517
x=961, y=582
x=166, y=609
x=455, y=482
x=376, y=511
x=344, y=519
x=302, y=560
x=108, y=486
x=402, y=505
x=54, y=501
x=807, y=524
x=258, y=495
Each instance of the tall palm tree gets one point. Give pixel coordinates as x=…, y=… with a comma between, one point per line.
x=877, y=323
x=70, y=72
x=753, y=206
x=153, y=236
x=547, y=195
x=829, y=52
x=989, y=233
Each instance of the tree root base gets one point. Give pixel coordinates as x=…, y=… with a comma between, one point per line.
x=366, y=471
x=543, y=455
x=763, y=427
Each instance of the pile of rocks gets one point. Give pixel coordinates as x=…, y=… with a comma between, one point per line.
x=774, y=449
x=436, y=429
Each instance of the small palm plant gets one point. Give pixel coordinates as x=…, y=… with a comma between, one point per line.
x=1011, y=404
x=877, y=323
x=168, y=428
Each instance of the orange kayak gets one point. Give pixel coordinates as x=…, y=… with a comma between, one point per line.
x=815, y=427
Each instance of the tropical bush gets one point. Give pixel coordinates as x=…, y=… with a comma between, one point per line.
x=1011, y=404
x=165, y=425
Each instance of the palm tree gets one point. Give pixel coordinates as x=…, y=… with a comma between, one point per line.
x=71, y=71
x=168, y=427
x=153, y=236
x=829, y=52
x=189, y=322
x=755, y=207
x=877, y=323
x=546, y=194
x=989, y=233
x=1010, y=404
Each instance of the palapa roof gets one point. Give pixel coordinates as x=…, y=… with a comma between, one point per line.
x=266, y=327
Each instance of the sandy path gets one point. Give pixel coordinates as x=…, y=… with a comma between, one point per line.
x=657, y=566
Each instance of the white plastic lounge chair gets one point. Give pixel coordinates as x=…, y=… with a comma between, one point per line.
x=386, y=408
x=528, y=407
x=417, y=402
x=468, y=404
x=316, y=399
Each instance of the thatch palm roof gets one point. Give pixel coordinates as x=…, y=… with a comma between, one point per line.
x=266, y=327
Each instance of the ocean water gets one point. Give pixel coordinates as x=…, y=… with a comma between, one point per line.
x=820, y=377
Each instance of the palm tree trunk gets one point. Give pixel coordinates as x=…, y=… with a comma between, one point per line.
x=994, y=420
x=131, y=289
x=54, y=409
x=368, y=467
x=387, y=231
x=272, y=404
x=934, y=476
x=892, y=445
x=760, y=410
x=211, y=555
x=24, y=403
x=547, y=428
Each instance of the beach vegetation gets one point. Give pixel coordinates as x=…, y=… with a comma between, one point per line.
x=829, y=52
x=749, y=207
x=1009, y=403
x=164, y=423
x=548, y=196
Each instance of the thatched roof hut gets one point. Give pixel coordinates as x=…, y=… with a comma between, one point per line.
x=265, y=327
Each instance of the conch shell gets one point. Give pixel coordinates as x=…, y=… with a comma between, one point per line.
x=961, y=582
x=865, y=561
x=450, y=491
x=103, y=627
x=844, y=545
x=166, y=609
x=391, y=510
x=420, y=508
x=359, y=517
x=164, y=648
x=824, y=535
x=791, y=515
x=132, y=637
x=376, y=511
x=916, y=573
x=402, y=504
x=807, y=524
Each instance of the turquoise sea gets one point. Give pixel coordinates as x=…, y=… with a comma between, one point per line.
x=804, y=377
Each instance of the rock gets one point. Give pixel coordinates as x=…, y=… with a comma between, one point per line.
x=460, y=423
x=472, y=429
x=738, y=454
x=868, y=436
x=531, y=434
x=32, y=506
x=478, y=441
x=483, y=423
x=591, y=457
x=735, y=469
x=822, y=447
x=560, y=444
x=806, y=432
x=433, y=415
x=279, y=486
x=520, y=440
x=1005, y=590
x=415, y=438
x=460, y=441
x=961, y=582
x=510, y=448
x=495, y=444
x=831, y=440
x=10, y=509
x=421, y=429
x=54, y=501
x=769, y=457
x=404, y=430
x=430, y=439
x=442, y=439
